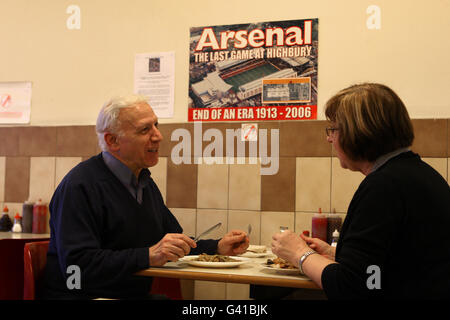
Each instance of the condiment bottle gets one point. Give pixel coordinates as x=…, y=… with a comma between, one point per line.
x=17, y=227
x=319, y=226
x=334, y=222
x=27, y=217
x=5, y=222
x=335, y=239
x=39, y=217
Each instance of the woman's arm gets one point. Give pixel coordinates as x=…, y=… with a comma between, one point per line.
x=291, y=247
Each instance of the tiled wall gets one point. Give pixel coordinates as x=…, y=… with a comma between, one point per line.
x=33, y=160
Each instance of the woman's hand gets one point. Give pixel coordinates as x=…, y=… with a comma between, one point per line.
x=291, y=247
x=321, y=247
x=288, y=246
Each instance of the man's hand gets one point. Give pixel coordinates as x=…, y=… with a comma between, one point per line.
x=170, y=248
x=233, y=243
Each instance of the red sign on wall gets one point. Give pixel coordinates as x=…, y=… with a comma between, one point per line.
x=253, y=113
x=254, y=72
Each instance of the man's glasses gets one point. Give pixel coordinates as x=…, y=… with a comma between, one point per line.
x=330, y=130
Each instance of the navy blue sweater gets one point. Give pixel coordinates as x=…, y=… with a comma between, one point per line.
x=398, y=220
x=98, y=226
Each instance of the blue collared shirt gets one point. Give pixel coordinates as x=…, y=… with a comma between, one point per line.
x=126, y=176
x=385, y=158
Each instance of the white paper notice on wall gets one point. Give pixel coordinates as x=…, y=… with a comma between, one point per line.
x=154, y=77
x=15, y=102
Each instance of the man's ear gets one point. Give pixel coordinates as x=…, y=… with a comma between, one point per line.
x=111, y=140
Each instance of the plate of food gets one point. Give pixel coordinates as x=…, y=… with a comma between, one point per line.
x=214, y=261
x=254, y=251
x=280, y=266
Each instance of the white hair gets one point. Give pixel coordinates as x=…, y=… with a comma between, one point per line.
x=108, y=117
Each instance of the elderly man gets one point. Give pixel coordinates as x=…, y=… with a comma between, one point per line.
x=108, y=219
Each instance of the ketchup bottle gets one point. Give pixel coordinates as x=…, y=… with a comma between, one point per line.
x=39, y=217
x=319, y=226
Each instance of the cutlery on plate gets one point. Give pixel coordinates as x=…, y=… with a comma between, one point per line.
x=204, y=233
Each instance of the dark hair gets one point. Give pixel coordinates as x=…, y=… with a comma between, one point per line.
x=372, y=121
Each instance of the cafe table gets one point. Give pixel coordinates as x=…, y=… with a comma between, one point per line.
x=253, y=272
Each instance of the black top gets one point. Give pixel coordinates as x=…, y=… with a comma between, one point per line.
x=97, y=225
x=399, y=221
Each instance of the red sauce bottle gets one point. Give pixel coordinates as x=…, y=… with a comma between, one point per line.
x=319, y=226
x=39, y=217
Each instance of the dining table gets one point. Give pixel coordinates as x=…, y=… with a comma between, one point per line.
x=254, y=271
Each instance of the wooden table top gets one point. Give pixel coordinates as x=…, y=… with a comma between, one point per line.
x=253, y=272
x=19, y=235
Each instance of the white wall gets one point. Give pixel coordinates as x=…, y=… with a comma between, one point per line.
x=75, y=71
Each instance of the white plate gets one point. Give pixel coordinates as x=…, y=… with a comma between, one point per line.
x=274, y=267
x=257, y=248
x=250, y=254
x=190, y=260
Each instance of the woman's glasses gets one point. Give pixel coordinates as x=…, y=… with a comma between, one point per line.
x=330, y=130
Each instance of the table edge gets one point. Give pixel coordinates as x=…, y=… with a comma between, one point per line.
x=233, y=278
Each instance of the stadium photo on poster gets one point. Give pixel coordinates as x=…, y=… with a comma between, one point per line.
x=254, y=71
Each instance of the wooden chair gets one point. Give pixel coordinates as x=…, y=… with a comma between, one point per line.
x=34, y=259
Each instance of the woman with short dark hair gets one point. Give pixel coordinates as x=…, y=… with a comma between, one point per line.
x=372, y=121
x=393, y=243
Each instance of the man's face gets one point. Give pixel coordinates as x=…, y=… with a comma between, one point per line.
x=139, y=141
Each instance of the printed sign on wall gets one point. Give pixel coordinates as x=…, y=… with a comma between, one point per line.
x=254, y=72
x=15, y=102
x=154, y=78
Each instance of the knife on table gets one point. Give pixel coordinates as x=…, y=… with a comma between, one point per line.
x=204, y=233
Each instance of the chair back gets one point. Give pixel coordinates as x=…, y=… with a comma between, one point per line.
x=167, y=286
x=35, y=259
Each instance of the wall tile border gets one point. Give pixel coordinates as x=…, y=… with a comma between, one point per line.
x=297, y=138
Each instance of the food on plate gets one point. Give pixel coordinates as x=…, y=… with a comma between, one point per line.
x=256, y=249
x=214, y=258
x=280, y=263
